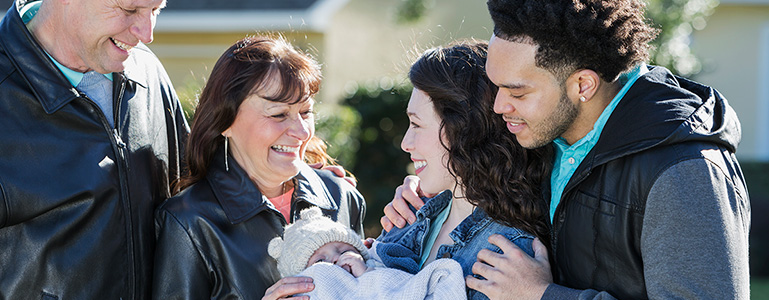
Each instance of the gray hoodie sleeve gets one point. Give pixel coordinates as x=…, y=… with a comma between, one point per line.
x=694, y=242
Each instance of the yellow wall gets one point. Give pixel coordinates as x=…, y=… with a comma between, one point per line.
x=189, y=57
x=729, y=47
x=364, y=43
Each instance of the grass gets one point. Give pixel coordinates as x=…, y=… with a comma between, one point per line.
x=759, y=288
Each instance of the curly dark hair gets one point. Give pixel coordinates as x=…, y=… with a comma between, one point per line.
x=498, y=175
x=246, y=68
x=608, y=37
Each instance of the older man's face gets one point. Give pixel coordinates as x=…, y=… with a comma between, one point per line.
x=105, y=31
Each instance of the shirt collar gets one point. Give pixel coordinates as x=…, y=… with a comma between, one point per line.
x=241, y=199
x=74, y=77
x=626, y=79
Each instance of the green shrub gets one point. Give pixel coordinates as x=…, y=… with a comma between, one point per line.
x=380, y=164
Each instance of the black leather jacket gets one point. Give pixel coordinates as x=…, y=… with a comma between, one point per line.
x=212, y=237
x=602, y=233
x=77, y=196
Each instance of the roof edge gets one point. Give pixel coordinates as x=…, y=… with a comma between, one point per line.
x=314, y=19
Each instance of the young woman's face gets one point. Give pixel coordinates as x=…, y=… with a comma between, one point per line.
x=423, y=141
x=268, y=139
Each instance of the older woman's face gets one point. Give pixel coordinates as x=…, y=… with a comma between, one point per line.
x=268, y=139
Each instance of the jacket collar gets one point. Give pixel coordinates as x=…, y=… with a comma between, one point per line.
x=47, y=83
x=241, y=199
x=662, y=109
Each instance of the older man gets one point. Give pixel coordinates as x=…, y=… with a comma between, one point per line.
x=90, y=143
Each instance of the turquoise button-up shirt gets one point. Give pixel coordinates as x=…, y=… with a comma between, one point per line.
x=27, y=13
x=568, y=157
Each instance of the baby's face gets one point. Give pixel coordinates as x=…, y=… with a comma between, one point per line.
x=340, y=254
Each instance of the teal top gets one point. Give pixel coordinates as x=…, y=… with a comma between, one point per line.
x=568, y=157
x=432, y=234
x=27, y=13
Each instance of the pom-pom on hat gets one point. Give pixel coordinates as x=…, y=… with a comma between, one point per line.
x=302, y=238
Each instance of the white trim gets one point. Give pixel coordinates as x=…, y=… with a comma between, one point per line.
x=762, y=132
x=322, y=11
x=224, y=21
x=314, y=19
x=745, y=2
x=194, y=51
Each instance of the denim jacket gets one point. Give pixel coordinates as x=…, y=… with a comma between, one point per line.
x=401, y=248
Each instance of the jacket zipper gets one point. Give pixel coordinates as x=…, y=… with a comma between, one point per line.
x=121, y=161
x=557, y=221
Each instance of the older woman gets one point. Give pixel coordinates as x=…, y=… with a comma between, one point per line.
x=247, y=176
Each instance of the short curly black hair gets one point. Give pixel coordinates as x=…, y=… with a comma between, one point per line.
x=608, y=37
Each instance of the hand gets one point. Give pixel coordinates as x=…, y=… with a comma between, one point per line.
x=352, y=262
x=286, y=287
x=397, y=212
x=513, y=274
x=338, y=171
x=368, y=242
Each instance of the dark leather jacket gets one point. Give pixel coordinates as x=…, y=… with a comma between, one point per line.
x=602, y=232
x=77, y=196
x=212, y=237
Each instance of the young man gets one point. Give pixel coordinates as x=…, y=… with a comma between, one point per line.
x=647, y=199
x=92, y=132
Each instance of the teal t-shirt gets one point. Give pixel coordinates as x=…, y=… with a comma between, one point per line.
x=432, y=234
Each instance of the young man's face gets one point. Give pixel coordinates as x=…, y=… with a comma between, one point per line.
x=530, y=99
x=104, y=31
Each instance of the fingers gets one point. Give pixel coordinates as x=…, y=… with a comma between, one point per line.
x=403, y=210
x=289, y=286
x=488, y=257
x=368, y=242
x=397, y=212
x=540, y=252
x=482, y=268
x=386, y=224
x=411, y=192
x=393, y=216
x=475, y=283
x=504, y=244
x=337, y=170
x=351, y=180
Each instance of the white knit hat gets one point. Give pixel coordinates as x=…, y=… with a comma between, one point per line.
x=302, y=238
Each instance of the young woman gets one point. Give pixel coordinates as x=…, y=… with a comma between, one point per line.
x=486, y=182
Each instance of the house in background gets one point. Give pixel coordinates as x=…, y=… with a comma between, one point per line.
x=734, y=48
x=190, y=35
x=359, y=42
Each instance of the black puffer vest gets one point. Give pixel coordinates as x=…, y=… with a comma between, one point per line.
x=663, y=119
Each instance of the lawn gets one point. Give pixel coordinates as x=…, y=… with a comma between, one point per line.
x=759, y=288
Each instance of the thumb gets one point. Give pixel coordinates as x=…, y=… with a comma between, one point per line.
x=540, y=251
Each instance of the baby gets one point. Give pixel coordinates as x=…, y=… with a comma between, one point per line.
x=343, y=268
x=315, y=238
